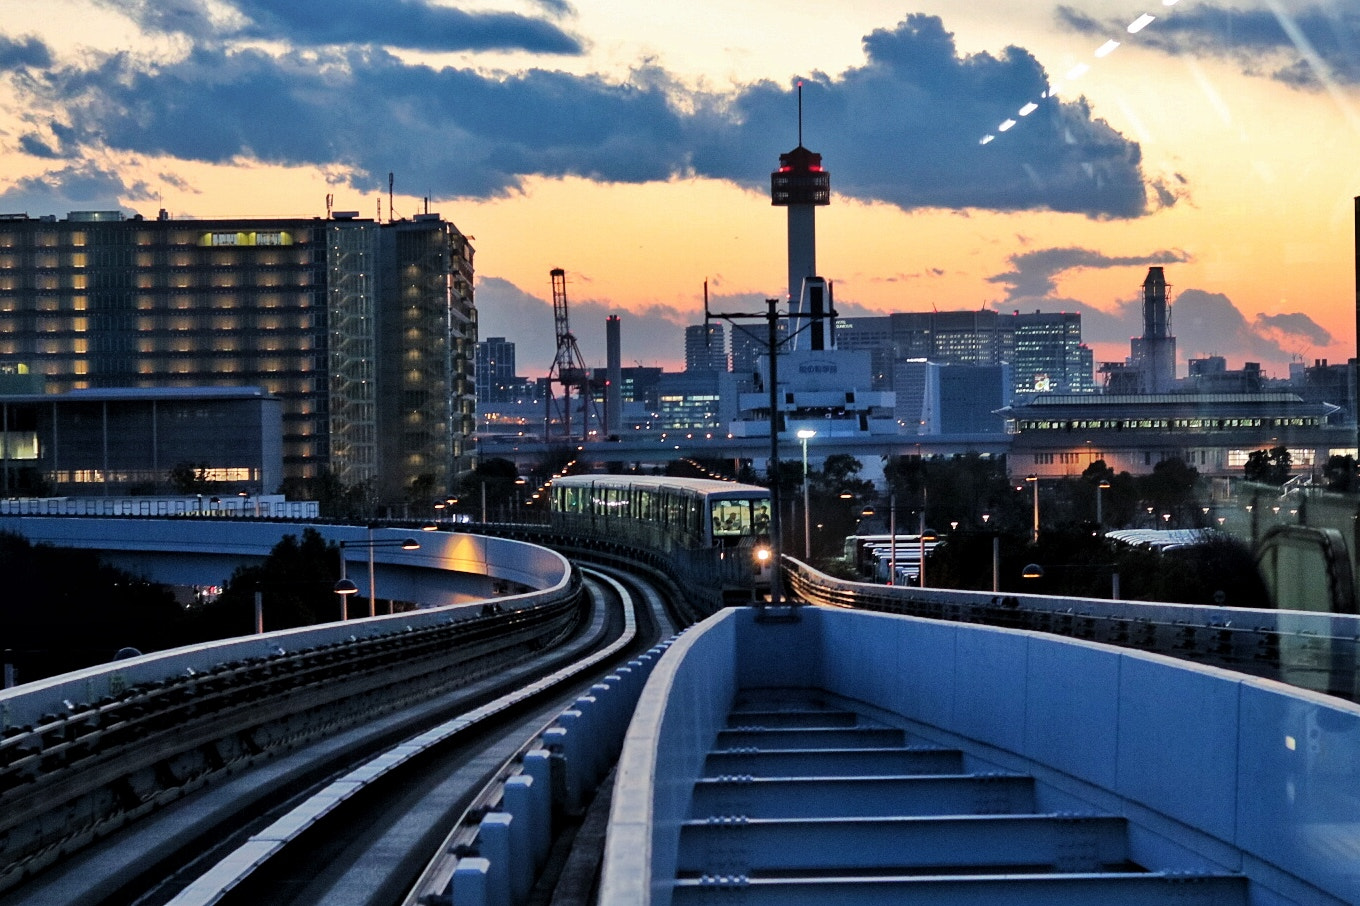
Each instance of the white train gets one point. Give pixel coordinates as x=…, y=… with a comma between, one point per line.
x=674, y=515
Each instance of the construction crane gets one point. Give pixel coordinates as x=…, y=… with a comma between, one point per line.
x=568, y=367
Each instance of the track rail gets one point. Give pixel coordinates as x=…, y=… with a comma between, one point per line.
x=365, y=836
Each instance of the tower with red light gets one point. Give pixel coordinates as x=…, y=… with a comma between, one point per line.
x=801, y=185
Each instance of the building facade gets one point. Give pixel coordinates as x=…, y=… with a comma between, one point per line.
x=705, y=348
x=362, y=330
x=1057, y=435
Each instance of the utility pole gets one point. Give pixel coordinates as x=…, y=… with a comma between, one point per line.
x=771, y=316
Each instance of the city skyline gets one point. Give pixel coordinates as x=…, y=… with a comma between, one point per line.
x=632, y=147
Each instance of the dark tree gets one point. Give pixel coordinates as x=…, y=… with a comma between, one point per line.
x=63, y=609
x=1268, y=466
x=297, y=586
x=1340, y=474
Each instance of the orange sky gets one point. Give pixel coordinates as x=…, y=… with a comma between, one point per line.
x=1265, y=172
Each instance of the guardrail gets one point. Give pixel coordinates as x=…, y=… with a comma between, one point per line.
x=1310, y=650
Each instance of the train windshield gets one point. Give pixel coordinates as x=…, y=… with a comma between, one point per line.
x=735, y=518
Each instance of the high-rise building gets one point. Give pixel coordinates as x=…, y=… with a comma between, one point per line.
x=1044, y=350
x=495, y=370
x=750, y=342
x=1049, y=356
x=363, y=330
x=705, y=347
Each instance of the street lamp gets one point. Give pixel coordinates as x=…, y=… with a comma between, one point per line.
x=346, y=587
x=804, y=435
x=1034, y=480
x=1100, y=515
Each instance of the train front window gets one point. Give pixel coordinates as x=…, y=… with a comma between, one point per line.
x=738, y=518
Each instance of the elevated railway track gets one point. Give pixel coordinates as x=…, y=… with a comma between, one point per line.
x=432, y=806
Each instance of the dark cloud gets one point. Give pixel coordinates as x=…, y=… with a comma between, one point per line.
x=1304, y=46
x=652, y=336
x=36, y=146
x=1210, y=324
x=23, y=53
x=406, y=24
x=449, y=130
x=411, y=24
x=77, y=187
x=903, y=129
x=1035, y=273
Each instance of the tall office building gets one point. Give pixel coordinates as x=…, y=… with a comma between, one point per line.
x=1049, y=356
x=495, y=370
x=363, y=330
x=705, y=347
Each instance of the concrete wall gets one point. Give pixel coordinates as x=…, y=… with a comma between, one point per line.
x=1254, y=775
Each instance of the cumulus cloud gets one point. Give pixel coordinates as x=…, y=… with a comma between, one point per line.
x=1296, y=325
x=1306, y=46
x=406, y=24
x=902, y=129
x=1204, y=323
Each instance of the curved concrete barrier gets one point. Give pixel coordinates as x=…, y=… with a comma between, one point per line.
x=451, y=575
x=1251, y=775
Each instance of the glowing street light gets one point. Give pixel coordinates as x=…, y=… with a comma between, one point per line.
x=346, y=587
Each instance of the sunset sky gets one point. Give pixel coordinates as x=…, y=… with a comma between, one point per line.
x=631, y=143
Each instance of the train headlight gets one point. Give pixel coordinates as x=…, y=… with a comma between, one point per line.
x=762, y=555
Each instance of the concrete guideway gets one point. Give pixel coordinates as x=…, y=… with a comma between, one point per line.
x=1149, y=777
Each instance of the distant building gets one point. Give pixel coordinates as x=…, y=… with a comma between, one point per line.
x=705, y=348
x=130, y=441
x=1048, y=355
x=819, y=390
x=496, y=380
x=917, y=396
x=971, y=397
x=752, y=341
x=1044, y=350
x=694, y=401
x=364, y=331
x=1061, y=434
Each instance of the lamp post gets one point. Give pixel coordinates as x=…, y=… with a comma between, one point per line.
x=349, y=588
x=996, y=555
x=1034, y=480
x=804, y=435
x=892, y=537
x=1100, y=514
